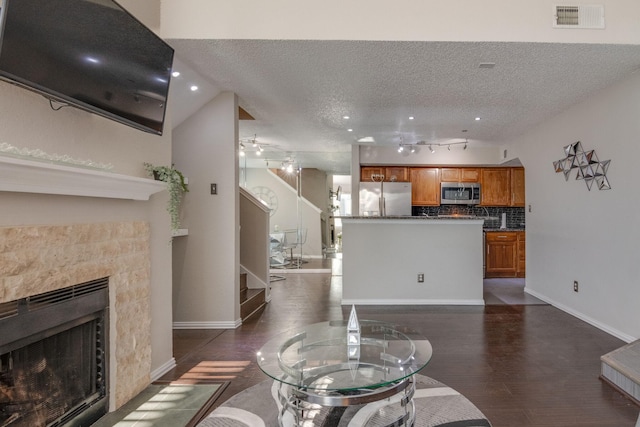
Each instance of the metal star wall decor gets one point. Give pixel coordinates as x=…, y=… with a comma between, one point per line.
x=589, y=168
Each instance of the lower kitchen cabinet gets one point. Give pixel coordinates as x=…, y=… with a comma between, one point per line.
x=522, y=258
x=501, y=252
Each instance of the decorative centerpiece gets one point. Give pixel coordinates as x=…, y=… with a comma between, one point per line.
x=175, y=184
x=353, y=335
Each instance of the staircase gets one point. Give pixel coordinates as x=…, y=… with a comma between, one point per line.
x=251, y=300
x=621, y=369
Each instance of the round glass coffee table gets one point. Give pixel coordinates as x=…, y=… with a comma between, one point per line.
x=318, y=370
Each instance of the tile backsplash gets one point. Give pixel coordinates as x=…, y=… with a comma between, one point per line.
x=515, y=215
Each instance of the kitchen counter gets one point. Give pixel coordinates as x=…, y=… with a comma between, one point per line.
x=416, y=218
x=434, y=218
x=383, y=259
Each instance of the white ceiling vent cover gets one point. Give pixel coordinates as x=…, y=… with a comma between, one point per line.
x=580, y=16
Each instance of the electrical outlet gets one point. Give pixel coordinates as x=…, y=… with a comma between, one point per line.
x=420, y=277
x=575, y=286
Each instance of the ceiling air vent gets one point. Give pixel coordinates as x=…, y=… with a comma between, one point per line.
x=581, y=16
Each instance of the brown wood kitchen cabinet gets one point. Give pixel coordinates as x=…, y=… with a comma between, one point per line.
x=367, y=173
x=496, y=186
x=521, y=254
x=502, y=186
x=425, y=186
x=501, y=252
x=517, y=187
x=397, y=173
x=390, y=173
x=459, y=175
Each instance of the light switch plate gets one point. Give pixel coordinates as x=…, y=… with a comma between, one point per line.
x=214, y=188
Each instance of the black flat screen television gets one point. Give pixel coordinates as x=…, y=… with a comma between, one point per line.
x=90, y=54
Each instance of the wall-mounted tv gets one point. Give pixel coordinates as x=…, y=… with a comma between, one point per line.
x=90, y=54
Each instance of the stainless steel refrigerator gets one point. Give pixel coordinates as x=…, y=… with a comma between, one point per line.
x=385, y=199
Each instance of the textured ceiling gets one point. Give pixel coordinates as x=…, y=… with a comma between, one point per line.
x=299, y=91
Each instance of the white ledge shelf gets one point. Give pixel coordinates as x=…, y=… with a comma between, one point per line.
x=180, y=232
x=28, y=176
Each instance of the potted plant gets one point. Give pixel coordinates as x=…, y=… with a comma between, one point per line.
x=176, y=186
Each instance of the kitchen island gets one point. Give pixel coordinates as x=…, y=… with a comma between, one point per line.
x=383, y=258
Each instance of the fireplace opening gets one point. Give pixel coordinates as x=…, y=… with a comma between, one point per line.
x=53, y=357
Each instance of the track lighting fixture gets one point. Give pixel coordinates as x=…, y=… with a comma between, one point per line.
x=400, y=149
x=449, y=147
x=288, y=166
x=431, y=149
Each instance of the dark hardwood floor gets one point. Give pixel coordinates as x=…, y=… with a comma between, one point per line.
x=522, y=365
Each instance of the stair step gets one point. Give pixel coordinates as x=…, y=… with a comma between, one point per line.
x=243, y=287
x=621, y=369
x=254, y=302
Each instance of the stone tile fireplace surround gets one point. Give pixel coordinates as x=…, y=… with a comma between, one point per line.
x=36, y=259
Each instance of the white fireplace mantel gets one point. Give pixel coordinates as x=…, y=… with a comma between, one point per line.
x=28, y=176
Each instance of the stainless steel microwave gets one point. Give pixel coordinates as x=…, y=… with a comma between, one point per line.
x=459, y=193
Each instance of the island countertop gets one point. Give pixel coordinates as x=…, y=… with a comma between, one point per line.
x=437, y=219
x=414, y=218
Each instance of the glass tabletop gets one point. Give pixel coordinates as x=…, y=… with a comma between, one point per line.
x=318, y=357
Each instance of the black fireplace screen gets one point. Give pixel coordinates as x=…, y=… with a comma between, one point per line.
x=58, y=374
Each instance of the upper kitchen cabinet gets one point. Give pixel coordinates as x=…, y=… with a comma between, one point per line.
x=371, y=173
x=396, y=173
x=502, y=186
x=387, y=174
x=425, y=186
x=496, y=186
x=517, y=187
x=459, y=175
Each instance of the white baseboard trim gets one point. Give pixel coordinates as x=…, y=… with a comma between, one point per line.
x=161, y=370
x=412, y=302
x=207, y=325
x=606, y=328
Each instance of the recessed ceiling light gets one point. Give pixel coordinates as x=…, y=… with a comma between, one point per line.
x=175, y=73
x=366, y=139
x=346, y=117
x=194, y=88
x=410, y=117
x=349, y=130
x=477, y=118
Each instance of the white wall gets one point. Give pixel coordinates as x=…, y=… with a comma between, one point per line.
x=207, y=291
x=589, y=236
x=434, y=20
x=27, y=121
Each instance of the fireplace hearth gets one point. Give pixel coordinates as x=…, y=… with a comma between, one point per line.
x=53, y=357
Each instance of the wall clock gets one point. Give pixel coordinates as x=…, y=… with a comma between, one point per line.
x=268, y=197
